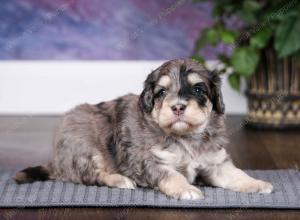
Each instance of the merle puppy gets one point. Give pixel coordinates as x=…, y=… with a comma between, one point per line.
x=168, y=138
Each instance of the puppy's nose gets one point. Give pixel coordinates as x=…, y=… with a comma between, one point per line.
x=178, y=109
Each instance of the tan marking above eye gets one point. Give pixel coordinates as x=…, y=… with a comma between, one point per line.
x=164, y=81
x=194, y=78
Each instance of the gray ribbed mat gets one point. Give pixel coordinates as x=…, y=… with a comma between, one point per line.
x=56, y=193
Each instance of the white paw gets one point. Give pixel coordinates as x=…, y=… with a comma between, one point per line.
x=265, y=187
x=256, y=186
x=189, y=193
x=119, y=181
x=126, y=183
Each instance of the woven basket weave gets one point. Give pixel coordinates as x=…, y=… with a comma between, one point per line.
x=274, y=93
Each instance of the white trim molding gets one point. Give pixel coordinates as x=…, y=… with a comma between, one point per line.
x=53, y=87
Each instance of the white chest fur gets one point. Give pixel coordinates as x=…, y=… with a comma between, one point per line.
x=188, y=161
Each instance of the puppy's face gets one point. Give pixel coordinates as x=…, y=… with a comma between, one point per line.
x=180, y=96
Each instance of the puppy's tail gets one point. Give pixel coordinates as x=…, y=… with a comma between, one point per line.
x=31, y=174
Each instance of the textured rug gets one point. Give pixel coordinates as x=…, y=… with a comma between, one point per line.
x=286, y=194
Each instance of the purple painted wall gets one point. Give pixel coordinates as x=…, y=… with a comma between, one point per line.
x=101, y=29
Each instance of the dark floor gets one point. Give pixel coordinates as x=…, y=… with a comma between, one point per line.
x=26, y=140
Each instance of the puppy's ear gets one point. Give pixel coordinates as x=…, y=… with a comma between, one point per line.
x=146, y=100
x=216, y=94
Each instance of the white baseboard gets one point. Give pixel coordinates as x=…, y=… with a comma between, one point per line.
x=53, y=87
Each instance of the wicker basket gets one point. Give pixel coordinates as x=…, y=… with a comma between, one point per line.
x=274, y=93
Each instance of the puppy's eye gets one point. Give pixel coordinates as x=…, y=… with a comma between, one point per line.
x=199, y=89
x=161, y=93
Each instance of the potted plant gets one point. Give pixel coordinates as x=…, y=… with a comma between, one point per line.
x=264, y=49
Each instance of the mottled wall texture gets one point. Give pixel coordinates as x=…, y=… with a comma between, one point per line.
x=101, y=29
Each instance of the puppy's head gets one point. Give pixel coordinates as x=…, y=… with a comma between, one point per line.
x=180, y=96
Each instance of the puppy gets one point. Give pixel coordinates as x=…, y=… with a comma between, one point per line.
x=167, y=138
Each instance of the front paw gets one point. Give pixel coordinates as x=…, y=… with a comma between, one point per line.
x=264, y=187
x=188, y=192
x=119, y=181
x=255, y=186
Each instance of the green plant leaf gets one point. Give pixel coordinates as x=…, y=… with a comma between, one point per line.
x=248, y=16
x=251, y=5
x=261, y=38
x=224, y=59
x=217, y=11
x=212, y=35
x=287, y=36
x=198, y=58
x=244, y=60
x=228, y=36
x=234, y=81
x=208, y=35
x=248, y=11
x=200, y=42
